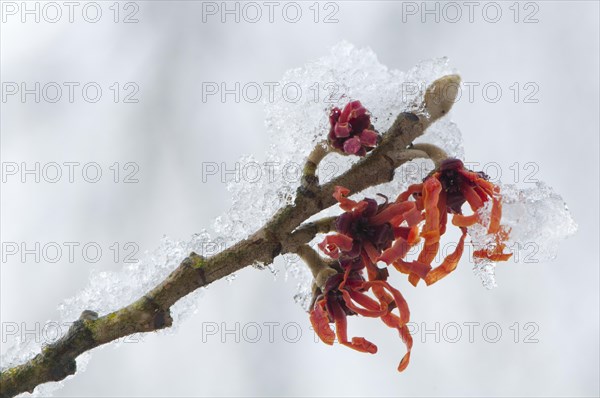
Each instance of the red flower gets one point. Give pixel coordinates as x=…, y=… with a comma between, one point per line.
x=351, y=130
x=345, y=293
x=366, y=226
x=364, y=232
x=368, y=232
x=441, y=193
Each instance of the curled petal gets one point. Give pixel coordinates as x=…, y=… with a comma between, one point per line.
x=413, y=235
x=483, y=194
x=339, y=318
x=413, y=279
x=393, y=210
x=428, y=252
x=492, y=256
x=371, y=251
x=415, y=188
x=341, y=330
x=361, y=344
x=393, y=321
x=443, y=212
x=431, y=194
x=401, y=303
x=332, y=245
x=406, y=238
x=465, y=221
x=340, y=194
x=496, y=253
x=367, y=301
x=398, y=250
x=495, y=216
x=369, y=307
x=488, y=187
x=472, y=197
x=449, y=264
x=320, y=323
x=373, y=272
x=413, y=217
x=412, y=267
x=407, y=338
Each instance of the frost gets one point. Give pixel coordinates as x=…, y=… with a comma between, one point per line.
x=538, y=219
x=109, y=291
x=296, y=123
x=537, y=216
x=297, y=120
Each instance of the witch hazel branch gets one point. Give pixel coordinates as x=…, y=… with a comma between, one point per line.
x=370, y=239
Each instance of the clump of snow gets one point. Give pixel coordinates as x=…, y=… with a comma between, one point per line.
x=296, y=126
x=297, y=123
x=538, y=219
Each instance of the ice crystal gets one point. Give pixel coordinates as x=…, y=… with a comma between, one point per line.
x=538, y=219
x=296, y=126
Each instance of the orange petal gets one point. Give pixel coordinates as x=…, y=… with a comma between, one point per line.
x=481, y=192
x=393, y=321
x=361, y=344
x=465, y=221
x=415, y=267
x=341, y=330
x=333, y=244
x=371, y=251
x=401, y=303
x=428, y=253
x=486, y=185
x=493, y=256
x=472, y=197
x=407, y=338
x=449, y=264
x=370, y=308
x=404, y=196
x=340, y=194
x=413, y=217
x=443, y=211
x=413, y=279
x=413, y=236
x=391, y=211
x=495, y=216
x=431, y=193
x=320, y=323
x=397, y=251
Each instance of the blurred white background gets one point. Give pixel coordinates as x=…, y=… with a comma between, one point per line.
x=170, y=132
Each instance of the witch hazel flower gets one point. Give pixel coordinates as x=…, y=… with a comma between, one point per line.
x=345, y=294
x=351, y=131
x=369, y=232
x=364, y=232
x=444, y=192
x=366, y=225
